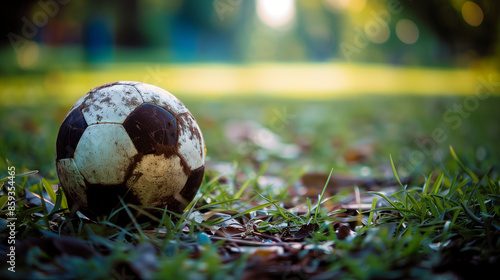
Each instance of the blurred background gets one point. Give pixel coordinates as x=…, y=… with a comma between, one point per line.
x=295, y=83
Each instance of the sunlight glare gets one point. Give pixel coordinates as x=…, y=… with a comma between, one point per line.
x=276, y=13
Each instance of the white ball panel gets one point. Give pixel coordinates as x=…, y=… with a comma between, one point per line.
x=104, y=153
x=110, y=104
x=72, y=181
x=191, y=145
x=161, y=97
x=156, y=177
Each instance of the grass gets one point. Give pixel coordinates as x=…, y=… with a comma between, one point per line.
x=438, y=218
x=325, y=131
x=447, y=226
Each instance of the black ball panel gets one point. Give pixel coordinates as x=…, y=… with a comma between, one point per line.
x=193, y=183
x=70, y=133
x=103, y=199
x=152, y=129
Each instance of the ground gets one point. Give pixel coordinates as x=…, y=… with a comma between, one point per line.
x=413, y=193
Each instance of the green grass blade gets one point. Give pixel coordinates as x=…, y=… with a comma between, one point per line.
x=242, y=189
x=321, y=196
x=255, y=208
x=487, y=180
x=64, y=200
x=480, y=201
x=426, y=185
x=437, y=202
x=433, y=209
x=49, y=190
x=192, y=203
x=471, y=215
x=216, y=203
x=438, y=183
x=467, y=170
x=414, y=202
x=3, y=201
x=453, y=185
x=458, y=188
x=27, y=173
x=280, y=209
x=370, y=216
x=57, y=205
x=308, y=207
x=357, y=198
x=395, y=172
x=395, y=207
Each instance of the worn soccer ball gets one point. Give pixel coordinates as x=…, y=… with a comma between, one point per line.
x=132, y=141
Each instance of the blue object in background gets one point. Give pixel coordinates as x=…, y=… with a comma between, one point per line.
x=98, y=39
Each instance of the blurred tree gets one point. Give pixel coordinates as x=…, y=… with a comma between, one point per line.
x=197, y=30
x=128, y=33
x=446, y=20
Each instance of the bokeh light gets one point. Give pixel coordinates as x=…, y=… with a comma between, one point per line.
x=276, y=13
x=407, y=31
x=377, y=32
x=28, y=55
x=472, y=13
x=337, y=5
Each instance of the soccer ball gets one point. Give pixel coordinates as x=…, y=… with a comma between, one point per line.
x=133, y=141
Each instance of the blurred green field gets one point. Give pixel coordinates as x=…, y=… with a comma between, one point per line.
x=352, y=135
x=65, y=83
x=346, y=116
